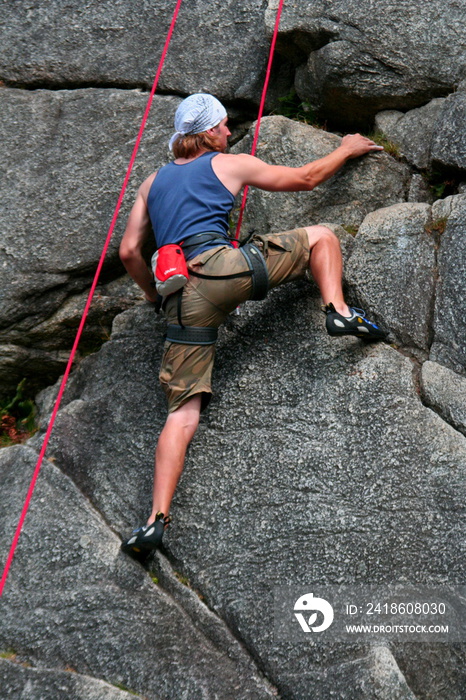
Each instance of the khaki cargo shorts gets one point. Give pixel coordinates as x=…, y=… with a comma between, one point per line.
x=186, y=370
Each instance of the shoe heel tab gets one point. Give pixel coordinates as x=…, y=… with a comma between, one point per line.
x=329, y=309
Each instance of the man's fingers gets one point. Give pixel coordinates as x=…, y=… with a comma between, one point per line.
x=359, y=145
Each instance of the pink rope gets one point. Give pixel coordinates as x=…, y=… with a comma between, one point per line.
x=88, y=303
x=261, y=110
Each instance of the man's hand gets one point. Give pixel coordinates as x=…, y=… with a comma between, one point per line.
x=357, y=145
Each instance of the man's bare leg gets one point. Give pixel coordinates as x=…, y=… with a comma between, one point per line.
x=327, y=266
x=173, y=442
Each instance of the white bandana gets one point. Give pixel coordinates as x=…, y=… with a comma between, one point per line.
x=196, y=114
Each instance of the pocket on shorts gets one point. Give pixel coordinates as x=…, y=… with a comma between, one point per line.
x=274, y=241
x=204, y=257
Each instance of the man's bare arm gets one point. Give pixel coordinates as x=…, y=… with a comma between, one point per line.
x=243, y=169
x=137, y=231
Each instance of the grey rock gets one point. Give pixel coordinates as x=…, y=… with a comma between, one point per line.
x=449, y=142
x=413, y=131
x=392, y=270
x=72, y=600
x=41, y=353
x=317, y=462
x=66, y=157
x=450, y=313
x=358, y=58
x=387, y=120
x=119, y=44
x=419, y=190
x=376, y=676
x=444, y=391
x=26, y=683
x=361, y=186
x=442, y=208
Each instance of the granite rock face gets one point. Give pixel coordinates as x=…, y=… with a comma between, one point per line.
x=450, y=316
x=357, y=58
x=413, y=131
x=448, y=142
x=431, y=136
x=33, y=683
x=344, y=199
x=444, y=391
x=331, y=431
x=119, y=44
x=98, y=612
x=320, y=461
x=67, y=153
x=393, y=268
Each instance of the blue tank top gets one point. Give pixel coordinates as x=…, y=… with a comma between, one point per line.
x=188, y=199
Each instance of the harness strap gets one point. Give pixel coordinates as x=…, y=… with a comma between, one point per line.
x=191, y=335
x=257, y=270
x=246, y=273
x=198, y=239
x=258, y=267
x=178, y=308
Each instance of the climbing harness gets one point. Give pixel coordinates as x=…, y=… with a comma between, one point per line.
x=191, y=335
x=257, y=270
x=251, y=257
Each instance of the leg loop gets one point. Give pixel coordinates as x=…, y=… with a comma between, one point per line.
x=258, y=267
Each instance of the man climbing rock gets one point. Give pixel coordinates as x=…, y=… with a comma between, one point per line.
x=188, y=203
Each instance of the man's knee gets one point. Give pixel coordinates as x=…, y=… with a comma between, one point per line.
x=186, y=417
x=317, y=234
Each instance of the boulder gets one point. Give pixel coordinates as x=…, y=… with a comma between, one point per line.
x=449, y=345
x=391, y=271
x=448, y=142
x=419, y=190
x=33, y=683
x=74, y=602
x=66, y=157
x=444, y=391
x=216, y=47
x=358, y=58
x=316, y=462
x=449, y=325
x=41, y=352
x=430, y=136
x=413, y=131
x=364, y=184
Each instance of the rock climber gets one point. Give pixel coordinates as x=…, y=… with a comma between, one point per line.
x=188, y=202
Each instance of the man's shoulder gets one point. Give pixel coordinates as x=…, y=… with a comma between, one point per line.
x=234, y=156
x=146, y=185
x=234, y=160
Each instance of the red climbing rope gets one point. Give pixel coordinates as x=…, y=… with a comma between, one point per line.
x=88, y=303
x=261, y=110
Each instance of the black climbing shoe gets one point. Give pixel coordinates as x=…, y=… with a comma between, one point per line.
x=356, y=324
x=146, y=539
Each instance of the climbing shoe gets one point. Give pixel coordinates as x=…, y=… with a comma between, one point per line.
x=356, y=324
x=146, y=539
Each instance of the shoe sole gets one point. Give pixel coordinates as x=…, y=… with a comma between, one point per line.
x=141, y=550
x=358, y=334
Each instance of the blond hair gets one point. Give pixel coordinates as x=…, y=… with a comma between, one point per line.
x=189, y=146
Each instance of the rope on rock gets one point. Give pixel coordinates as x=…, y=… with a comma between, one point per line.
x=261, y=110
x=88, y=303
